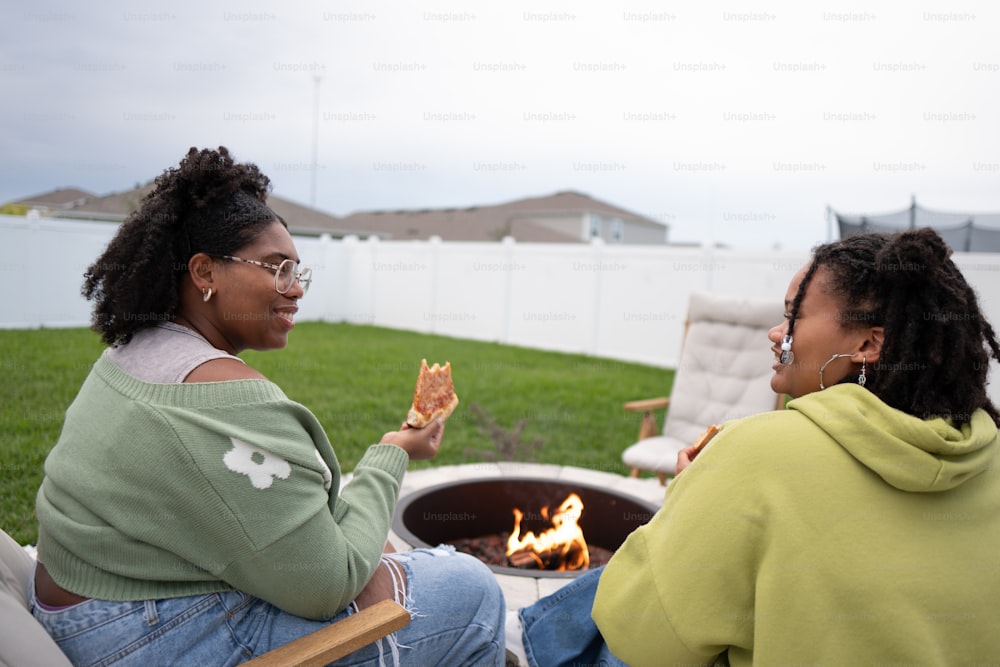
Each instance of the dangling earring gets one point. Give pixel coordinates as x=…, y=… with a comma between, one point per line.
x=861, y=378
x=206, y=294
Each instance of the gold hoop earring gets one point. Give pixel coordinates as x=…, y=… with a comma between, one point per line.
x=206, y=294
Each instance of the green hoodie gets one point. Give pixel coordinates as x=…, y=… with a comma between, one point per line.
x=837, y=532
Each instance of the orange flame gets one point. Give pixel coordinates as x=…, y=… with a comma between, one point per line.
x=562, y=546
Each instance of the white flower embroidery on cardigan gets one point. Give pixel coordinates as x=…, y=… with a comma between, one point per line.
x=260, y=466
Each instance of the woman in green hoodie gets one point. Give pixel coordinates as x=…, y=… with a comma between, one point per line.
x=861, y=524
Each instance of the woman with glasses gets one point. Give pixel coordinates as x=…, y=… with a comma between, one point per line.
x=191, y=514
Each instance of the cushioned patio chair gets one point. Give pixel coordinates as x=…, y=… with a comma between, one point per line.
x=24, y=642
x=723, y=373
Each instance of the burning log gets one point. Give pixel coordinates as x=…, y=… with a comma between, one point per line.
x=526, y=559
x=555, y=558
x=490, y=550
x=561, y=547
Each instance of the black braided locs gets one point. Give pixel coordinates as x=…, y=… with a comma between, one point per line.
x=937, y=345
x=208, y=203
x=793, y=311
x=940, y=334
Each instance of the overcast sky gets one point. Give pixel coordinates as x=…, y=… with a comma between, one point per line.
x=731, y=122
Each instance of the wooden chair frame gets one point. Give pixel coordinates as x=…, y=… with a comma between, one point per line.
x=338, y=639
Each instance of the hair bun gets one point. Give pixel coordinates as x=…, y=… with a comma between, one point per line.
x=210, y=178
x=912, y=257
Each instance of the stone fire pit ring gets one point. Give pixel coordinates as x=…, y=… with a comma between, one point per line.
x=521, y=591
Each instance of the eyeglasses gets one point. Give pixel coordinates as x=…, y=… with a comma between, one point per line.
x=285, y=274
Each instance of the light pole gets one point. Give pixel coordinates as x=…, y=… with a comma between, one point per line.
x=315, y=141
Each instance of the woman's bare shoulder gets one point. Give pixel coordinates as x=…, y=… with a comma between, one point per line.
x=223, y=370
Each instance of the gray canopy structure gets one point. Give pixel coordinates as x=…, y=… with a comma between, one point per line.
x=964, y=232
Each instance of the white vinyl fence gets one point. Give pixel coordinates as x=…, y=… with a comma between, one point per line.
x=618, y=302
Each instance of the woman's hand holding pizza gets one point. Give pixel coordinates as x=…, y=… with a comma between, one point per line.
x=684, y=458
x=434, y=399
x=419, y=443
x=686, y=455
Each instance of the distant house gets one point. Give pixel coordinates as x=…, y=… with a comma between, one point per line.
x=115, y=207
x=51, y=203
x=564, y=217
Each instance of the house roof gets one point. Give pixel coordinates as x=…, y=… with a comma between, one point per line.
x=520, y=218
x=60, y=198
x=516, y=218
x=73, y=203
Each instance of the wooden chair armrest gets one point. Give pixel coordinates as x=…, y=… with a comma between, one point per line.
x=338, y=639
x=647, y=404
x=648, y=428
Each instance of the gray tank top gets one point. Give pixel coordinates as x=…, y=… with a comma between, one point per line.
x=165, y=353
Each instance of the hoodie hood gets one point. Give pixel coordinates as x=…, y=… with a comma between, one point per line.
x=909, y=453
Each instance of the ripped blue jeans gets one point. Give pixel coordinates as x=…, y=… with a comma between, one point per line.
x=456, y=607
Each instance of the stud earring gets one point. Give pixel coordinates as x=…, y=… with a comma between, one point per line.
x=861, y=378
x=206, y=294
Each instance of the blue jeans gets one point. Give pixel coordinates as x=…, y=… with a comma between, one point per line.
x=558, y=631
x=457, y=618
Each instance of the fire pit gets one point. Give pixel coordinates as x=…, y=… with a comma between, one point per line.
x=484, y=508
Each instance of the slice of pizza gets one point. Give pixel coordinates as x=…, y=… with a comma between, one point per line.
x=433, y=397
x=705, y=437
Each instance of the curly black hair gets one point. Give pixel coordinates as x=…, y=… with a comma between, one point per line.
x=938, y=345
x=210, y=204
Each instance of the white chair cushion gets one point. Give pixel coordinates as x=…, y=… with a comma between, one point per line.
x=23, y=641
x=724, y=373
x=658, y=453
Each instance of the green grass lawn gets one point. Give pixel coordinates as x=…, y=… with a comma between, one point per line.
x=358, y=380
